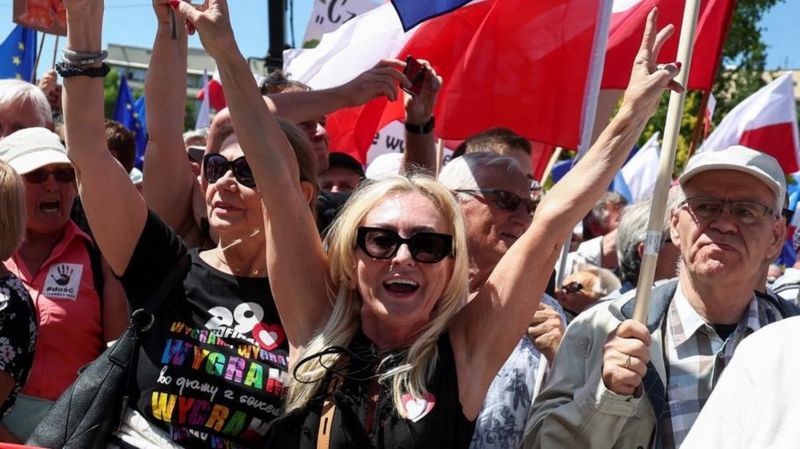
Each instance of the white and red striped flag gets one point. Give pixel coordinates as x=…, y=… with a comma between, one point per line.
x=765, y=121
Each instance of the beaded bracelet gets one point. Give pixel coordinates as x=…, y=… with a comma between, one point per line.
x=66, y=70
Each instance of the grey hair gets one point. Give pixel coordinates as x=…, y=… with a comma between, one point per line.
x=464, y=172
x=12, y=91
x=606, y=283
x=599, y=213
x=633, y=229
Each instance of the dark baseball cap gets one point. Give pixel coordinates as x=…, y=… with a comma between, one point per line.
x=346, y=161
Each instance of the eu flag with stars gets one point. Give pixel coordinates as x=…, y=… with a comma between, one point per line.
x=18, y=54
x=127, y=113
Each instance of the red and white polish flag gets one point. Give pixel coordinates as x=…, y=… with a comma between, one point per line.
x=765, y=121
x=627, y=26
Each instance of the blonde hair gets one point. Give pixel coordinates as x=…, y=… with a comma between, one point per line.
x=418, y=362
x=12, y=220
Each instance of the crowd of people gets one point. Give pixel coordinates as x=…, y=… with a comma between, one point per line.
x=325, y=305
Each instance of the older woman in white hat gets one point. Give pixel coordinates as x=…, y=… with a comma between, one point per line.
x=79, y=308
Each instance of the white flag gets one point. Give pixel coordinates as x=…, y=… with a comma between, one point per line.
x=641, y=171
x=352, y=49
x=202, y=115
x=328, y=15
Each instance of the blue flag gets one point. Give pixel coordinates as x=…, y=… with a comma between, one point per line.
x=414, y=12
x=126, y=113
x=141, y=135
x=18, y=54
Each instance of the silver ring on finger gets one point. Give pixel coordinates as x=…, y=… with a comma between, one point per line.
x=627, y=364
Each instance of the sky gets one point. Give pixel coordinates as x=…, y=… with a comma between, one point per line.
x=131, y=22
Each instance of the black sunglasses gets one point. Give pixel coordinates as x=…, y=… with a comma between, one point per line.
x=572, y=287
x=503, y=199
x=63, y=175
x=425, y=247
x=215, y=166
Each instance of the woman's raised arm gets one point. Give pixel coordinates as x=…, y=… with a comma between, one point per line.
x=115, y=210
x=296, y=262
x=170, y=187
x=488, y=328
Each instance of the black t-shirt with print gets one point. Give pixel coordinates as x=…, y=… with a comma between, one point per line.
x=18, y=326
x=212, y=369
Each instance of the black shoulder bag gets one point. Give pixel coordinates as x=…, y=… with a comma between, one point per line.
x=92, y=407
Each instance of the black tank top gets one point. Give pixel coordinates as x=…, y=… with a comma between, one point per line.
x=365, y=414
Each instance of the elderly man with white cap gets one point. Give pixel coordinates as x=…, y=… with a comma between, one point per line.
x=618, y=383
x=79, y=307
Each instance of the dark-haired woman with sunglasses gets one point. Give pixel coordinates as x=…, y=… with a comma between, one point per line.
x=212, y=369
x=79, y=305
x=383, y=353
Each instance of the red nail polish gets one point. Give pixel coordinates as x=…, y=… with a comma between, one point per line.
x=174, y=4
x=678, y=63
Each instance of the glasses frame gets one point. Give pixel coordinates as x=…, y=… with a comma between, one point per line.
x=36, y=177
x=504, y=199
x=361, y=241
x=236, y=166
x=766, y=211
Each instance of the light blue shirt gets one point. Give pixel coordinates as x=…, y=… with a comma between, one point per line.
x=501, y=422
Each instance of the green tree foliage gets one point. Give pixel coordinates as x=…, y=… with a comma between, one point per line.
x=743, y=65
x=110, y=91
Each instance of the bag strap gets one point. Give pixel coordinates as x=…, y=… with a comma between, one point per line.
x=143, y=318
x=328, y=411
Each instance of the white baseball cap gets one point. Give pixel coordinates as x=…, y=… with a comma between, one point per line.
x=32, y=148
x=385, y=166
x=739, y=158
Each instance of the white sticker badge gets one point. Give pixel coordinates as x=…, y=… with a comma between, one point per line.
x=63, y=281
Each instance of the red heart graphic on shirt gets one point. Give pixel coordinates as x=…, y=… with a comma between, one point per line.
x=417, y=408
x=268, y=336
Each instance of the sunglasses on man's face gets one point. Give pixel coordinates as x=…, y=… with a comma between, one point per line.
x=215, y=166
x=503, y=199
x=425, y=247
x=64, y=175
x=572, y=287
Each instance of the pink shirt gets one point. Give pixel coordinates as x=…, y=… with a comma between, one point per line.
x=68, y=309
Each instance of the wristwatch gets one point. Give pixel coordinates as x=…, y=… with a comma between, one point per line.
x=424, y=128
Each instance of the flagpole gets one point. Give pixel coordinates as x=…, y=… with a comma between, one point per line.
x=589, y=110
x=439, y=156
x=55, y=52
x=38, y=56
x=552, y=162
x=698, y=126
x=655, y=224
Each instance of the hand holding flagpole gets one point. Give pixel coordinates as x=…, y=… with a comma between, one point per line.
x=666, y=164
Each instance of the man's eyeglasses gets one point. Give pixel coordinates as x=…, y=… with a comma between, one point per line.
x=425, y=247
x=744, y=212
x=215, y=166
x=503, y=199
x=572, y=287
x=64, y=175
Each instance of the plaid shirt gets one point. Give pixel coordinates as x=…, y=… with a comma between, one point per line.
x=695, y=357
